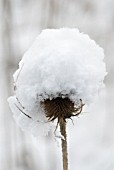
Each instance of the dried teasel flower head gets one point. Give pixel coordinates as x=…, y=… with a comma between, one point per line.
x=61, y=108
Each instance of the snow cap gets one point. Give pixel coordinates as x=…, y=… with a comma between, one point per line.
x=60, y=62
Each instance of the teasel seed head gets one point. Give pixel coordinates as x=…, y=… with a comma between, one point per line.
x=61, y=108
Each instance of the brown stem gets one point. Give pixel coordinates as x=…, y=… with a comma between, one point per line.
x=62, y=124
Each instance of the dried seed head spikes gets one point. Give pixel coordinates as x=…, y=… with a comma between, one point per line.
x=61, y=108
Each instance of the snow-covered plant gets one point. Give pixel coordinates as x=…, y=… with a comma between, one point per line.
x=62, y=71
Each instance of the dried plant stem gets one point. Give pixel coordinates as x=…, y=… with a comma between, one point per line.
x=62, y=124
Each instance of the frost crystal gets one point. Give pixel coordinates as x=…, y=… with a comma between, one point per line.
x=60, y=62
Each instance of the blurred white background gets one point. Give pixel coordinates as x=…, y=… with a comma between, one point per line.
x=91, y=138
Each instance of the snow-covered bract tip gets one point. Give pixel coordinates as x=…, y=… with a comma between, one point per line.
x=60, y=63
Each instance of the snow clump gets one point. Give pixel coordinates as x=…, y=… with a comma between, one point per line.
x=60, y=61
